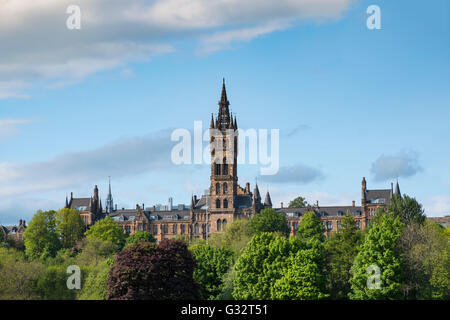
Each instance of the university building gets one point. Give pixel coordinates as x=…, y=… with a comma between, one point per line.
x=225, y=200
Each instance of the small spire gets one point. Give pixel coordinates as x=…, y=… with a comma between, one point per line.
x=212, y=121
x=67, y=203
x=397, y=189
x=235, y=122
x=267, y=200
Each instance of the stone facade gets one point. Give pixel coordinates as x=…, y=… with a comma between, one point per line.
x=225, y=200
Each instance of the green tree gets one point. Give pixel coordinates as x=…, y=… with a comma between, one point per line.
x=69, y=226
x=262, y=264
x=426, y=252
x=298, y=202
x=310, y=229
x=379, y=252
x=408, y=209
x=41, y=237
x=235, y=237
x=212, y=265
x=341, y=248
x=18, y=277
x=268, y=220
x=139, y=236
x=302, y=278
x=94, y=287
x=108, y=230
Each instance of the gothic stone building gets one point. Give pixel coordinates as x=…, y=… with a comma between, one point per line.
x=225, y=199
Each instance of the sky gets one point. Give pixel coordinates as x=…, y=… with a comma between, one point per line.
x=80, y=105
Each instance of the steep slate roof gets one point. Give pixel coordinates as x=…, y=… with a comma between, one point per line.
x=81, y=202
x=385, y=194
x=243, y=201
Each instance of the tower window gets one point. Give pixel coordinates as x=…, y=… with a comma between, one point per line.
x=217, y=169
x=225, y=203
x=225, y=188
x=218, y=203
x=225, y=166
x=217, y=188
x=219, y=225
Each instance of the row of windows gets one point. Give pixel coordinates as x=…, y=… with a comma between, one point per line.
x=225, y=188
x=225, y=203
x=221, y=168
x=221, y=223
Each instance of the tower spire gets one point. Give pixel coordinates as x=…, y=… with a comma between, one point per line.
x=224, y=112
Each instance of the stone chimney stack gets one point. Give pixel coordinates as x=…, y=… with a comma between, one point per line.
x=282, y=205
x=353, y=203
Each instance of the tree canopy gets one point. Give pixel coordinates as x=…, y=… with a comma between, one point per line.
x=407, y=208
x=298, y=202
x=268, y=220
x=108, y=230
x=139, y=236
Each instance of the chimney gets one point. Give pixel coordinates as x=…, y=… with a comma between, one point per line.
x=353, y=203
x=154, y=208
x=23, y=223
x=170, y=204
x=317, y=203
x=20, y=222
x=247, y=187
x=282, y=205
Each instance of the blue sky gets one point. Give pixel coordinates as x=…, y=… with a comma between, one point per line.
x=77, y=106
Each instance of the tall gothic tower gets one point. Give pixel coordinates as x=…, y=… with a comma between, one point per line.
x=224, y=149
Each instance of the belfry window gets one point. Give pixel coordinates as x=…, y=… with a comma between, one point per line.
x=218, y=203
x=217, y=169
x=225, y=166
x=217, y=188
x=225, y=203
x=225, y=188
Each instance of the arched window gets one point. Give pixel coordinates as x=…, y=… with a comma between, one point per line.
x=218, y=203
x=225, y=188
x=207, y=228
x=225, y=203
x=224, y=223
x=217, y=188
x=219, y=225
x=225, y=166
x=196, y=228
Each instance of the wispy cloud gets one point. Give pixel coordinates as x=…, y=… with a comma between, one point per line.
x=404, y=164
x=299, y=173
x=437, y=206
x=124, y=157
x=10, y=127
x=42, y=52
x=297, y=129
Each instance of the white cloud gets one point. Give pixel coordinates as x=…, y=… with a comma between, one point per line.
x=404, y=164
x=299, y=173
x=10, y=127
x=41, y=51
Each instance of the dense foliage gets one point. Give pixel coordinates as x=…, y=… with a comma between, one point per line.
x=401, y=255
x=148, y=271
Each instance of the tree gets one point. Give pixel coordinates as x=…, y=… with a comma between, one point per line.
x=69, y=226
x=303, y=277
x=18, y=277
x=235, y=237
x=139, y=236
x=94, y=288
x=408, y=209
x=147, y=271
x=262, y=264
x=41, y=237
x=341, y=248
x=268, y=220
x=379, y=258
x=107, y=229
x=310, y=229
x=426, y=252
x=298, y=202
x=211, y=267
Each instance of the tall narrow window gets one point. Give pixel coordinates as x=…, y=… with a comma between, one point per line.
x=225, y=188
x=225, y=203
x=217, y=188
x=218, y=203
x=225, y=166
x=224, y=223
x=217, y=169
x=196, y=228
x=219, y=225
